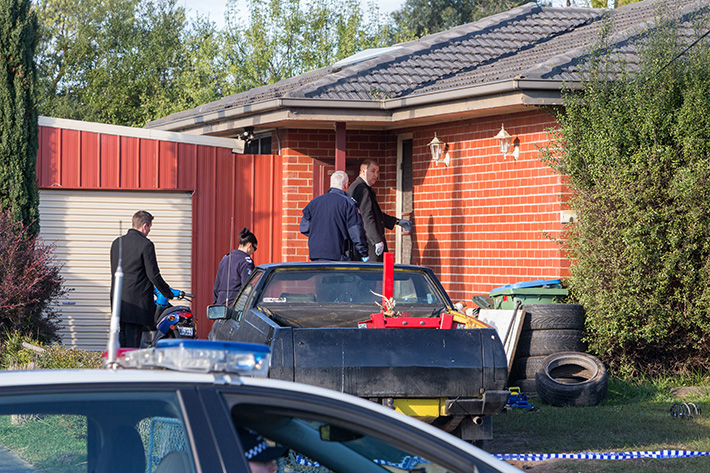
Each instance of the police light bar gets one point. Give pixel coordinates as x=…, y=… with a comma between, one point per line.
x=203, y=356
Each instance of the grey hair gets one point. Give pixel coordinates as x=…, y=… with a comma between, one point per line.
x=339, y=180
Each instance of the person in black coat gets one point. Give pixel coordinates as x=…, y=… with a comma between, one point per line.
x=373, y=218
x=234, y=269
x=140, y=275
x=333, y=225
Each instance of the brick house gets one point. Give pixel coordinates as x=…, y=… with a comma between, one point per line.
x=484, y=219
x=481, y=219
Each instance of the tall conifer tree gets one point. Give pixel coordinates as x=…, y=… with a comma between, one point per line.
x=18, y=112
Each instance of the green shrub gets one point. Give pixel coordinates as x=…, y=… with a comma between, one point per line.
x=15, y=356
x=29, y=282
x=636, y=148
x=58, y=357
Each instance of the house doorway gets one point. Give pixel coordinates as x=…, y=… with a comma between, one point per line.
x=405, y=208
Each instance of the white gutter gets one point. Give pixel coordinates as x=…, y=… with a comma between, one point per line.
x=234, y=144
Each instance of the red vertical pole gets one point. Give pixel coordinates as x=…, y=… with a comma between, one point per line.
x=388, y=277
x=340, y=146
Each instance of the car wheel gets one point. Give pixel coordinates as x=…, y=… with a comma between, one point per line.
x=547, y=342
x=572, y=379
x=553, y=316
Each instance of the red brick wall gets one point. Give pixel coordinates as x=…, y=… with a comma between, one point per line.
x=484, y=221
x=299, y=149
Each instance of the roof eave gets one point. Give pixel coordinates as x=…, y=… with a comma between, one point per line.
x=479, y=99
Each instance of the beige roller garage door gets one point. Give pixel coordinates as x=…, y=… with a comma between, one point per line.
x=82, y=225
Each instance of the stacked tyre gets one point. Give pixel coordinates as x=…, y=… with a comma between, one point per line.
x=547, y=329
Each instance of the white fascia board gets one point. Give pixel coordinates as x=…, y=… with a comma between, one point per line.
x=151, y=134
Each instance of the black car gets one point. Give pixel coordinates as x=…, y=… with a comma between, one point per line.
x=318, y=318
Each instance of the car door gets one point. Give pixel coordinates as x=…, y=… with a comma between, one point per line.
x=331, y=432
x=226, y=328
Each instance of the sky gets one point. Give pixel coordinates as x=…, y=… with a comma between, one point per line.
x=216, y=8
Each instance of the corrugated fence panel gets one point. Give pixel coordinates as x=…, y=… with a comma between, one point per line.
x=187, y=165
x=110, y=162
x=89, y=160
x=128, y=164
x=247, y=187
x=267, y=205
x=48, y=169
x=71, y=150
x=167, y=165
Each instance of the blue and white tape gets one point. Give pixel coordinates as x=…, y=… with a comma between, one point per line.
x=660, y=454
x=405, y=463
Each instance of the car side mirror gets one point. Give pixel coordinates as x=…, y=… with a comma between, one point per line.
x=216, y=312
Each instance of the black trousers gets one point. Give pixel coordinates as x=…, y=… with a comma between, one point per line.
x=129, y=335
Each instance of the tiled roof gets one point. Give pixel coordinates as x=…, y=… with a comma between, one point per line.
x=528, y=42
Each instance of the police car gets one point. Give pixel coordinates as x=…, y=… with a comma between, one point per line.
x=183, y=406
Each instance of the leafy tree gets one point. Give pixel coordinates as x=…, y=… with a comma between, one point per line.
x=421, y=17
x=635, y=146
x=204, y=76
x=123, y=62
x=19, y=132
x=282, y=38
x=29, y=281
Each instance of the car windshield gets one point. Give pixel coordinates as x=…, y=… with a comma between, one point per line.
x=348, y=286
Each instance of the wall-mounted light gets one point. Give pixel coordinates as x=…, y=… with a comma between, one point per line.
x=438, y=149
x=505, y=140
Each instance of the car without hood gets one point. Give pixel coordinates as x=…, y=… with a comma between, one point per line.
x=314, y=317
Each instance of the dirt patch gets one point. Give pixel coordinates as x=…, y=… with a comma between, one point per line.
x=688, y=391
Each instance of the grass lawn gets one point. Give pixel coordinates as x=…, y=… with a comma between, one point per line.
x=52, y=443
x=631, y=418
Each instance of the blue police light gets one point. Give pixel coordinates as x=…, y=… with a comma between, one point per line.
x=203, y=356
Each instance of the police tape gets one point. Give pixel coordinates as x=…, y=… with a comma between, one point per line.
x=659, y=454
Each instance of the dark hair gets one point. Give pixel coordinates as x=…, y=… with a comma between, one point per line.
x=367, y=162
x=245, y=236
x=141, y=217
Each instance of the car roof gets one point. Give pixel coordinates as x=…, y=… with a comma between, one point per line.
x=95, y=376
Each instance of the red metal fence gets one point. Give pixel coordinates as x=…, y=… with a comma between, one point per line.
x=225, y=186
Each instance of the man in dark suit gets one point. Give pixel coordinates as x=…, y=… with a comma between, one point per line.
x=373, y=218
x=140, y=274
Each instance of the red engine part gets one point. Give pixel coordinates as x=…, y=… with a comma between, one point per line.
x=444, y=321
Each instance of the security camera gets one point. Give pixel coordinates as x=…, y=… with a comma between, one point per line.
x=248, y=134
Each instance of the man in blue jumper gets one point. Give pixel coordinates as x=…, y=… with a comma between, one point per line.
x=332, y=221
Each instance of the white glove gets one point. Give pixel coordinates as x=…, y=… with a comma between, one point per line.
x=405, y=224
x=379, y=248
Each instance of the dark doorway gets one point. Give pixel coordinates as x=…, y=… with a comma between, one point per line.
x=405, y=244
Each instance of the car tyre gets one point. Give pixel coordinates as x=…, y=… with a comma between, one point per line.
x=527, y=386
x=547, y=342
x=553, y=317
x=526, y=367
x=572, y=379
